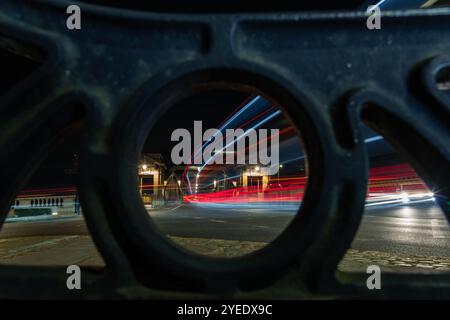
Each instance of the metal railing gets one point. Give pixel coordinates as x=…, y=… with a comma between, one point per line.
x=328, y=71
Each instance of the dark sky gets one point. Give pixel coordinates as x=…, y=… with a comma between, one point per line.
x=212, y=108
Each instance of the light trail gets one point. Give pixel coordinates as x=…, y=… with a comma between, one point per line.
x=223, y=126
x=241, y=136
x=386, y=185
x=185, y=175
x=373, y=139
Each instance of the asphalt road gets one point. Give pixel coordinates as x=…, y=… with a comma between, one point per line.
x=410, y=229
x=53, y=227
x=414, y=229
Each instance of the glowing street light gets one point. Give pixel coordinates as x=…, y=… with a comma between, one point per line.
x=279, y=167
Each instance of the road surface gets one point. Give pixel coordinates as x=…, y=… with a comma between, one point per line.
x=419, y=229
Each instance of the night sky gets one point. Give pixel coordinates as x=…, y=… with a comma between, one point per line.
x=212, y=108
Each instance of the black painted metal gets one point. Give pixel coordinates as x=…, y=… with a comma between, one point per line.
x=123, y=68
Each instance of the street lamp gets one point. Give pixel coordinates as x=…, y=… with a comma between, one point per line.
x=196, y=182
x=144, y=168
x=280, y=166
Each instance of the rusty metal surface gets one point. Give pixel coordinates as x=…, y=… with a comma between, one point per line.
x=124, y=68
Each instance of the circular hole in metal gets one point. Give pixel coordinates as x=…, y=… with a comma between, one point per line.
x=222, y=171
x=150, y=251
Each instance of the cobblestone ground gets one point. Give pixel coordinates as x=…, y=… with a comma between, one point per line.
x=67, y=250
x=356, y=261
x=218, y=248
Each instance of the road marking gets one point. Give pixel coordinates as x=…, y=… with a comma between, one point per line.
x=176, y=208
x=220, y=221
x=35, y=247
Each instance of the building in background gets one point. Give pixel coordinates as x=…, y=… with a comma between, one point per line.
x=151, y=174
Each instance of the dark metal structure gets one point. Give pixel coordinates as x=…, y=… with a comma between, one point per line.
x=124, y=68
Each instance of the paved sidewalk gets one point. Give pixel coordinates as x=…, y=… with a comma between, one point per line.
x=218, y=248
x=50, y=251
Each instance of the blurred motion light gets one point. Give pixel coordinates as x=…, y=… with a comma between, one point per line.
x=405, y=197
